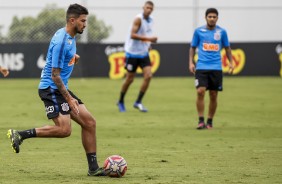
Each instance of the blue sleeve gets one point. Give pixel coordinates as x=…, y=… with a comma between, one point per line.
x=225, y=41
x=58, y=55
x=195, y=39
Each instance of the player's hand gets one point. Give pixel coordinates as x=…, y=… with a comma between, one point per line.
x=74, y=105
x=231, y=68
x=153, y=39
x=192, y=68
x=76, y=58
x=4, y=71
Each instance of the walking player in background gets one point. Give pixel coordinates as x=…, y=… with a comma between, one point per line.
x=137, y=48
x=60, y=103
x=4, y=71
x=209, y=39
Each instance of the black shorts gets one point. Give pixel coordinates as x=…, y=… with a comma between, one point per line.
x=211, y=79
x=132, y=64
x=54, y=102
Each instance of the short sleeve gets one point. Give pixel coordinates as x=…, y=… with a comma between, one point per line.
x=225, y=41
x=195, y=39
x=58, y=55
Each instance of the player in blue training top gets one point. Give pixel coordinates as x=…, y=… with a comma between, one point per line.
x=137, y=48
x=60, y=103
x=209, y=39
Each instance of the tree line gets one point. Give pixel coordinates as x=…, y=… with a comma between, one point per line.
x=48, y=21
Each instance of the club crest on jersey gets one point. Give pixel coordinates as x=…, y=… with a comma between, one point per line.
x=217, y=36
x=69, y=41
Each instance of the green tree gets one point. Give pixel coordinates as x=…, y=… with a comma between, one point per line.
x=43, y=27
x=97, y=30
x=2, y=39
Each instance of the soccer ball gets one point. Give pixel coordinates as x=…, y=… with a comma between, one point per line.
x=115, y=166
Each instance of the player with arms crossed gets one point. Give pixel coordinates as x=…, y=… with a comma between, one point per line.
x=60, y=103
x=137, y=48
x=209, y=39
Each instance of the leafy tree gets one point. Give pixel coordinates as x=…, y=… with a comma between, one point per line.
x=2, y=39
x=43, y=27
x=97, y=30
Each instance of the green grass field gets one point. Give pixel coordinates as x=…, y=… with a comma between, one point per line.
x=161, y=146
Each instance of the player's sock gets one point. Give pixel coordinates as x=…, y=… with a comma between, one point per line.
x=140, y=96
x=92, y=161
x=121, y=98
x=201, y=119
x=209, y=121
x=25, y=134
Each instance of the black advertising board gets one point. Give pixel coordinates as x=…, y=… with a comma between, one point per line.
x=168, y=60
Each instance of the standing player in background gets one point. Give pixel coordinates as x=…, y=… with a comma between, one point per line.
x=209, y=39
x=137, y=48
x=60, y=103
x=4, y=71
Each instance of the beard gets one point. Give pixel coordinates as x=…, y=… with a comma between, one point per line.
x=211, y=25
x=78, y=31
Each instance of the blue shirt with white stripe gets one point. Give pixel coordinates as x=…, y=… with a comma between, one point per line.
x=61, y=54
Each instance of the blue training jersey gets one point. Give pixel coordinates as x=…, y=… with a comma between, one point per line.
x=209, y=43
x=61, y=54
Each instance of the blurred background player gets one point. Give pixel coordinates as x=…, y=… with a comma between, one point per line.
x=4, y=71
x=209, y=39
x=60, y=103
x=137, y=48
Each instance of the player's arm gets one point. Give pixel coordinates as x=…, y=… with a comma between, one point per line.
x=76, y=57
x=61, y=87
x=135, y=36
x=226, y=45
x=191, y=64
x=229, y=56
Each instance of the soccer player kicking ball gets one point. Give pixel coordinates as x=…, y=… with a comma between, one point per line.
x=61, y=104
x=209, y=39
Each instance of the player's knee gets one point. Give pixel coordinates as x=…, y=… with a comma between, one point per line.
x=65, y=132
x=130, y=80
x=200, y=92
x=91, y=124
x=213, y=96
x=148, y=77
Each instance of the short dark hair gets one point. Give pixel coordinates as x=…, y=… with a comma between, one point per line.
x=150, y=3
x=211, y=10
x=75, y=10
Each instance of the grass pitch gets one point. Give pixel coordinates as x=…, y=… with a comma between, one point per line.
x=161, y=146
